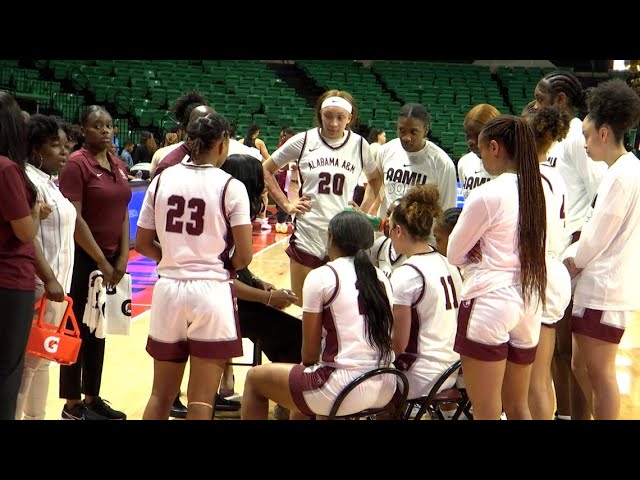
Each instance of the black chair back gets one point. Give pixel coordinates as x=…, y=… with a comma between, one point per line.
x=393, y=409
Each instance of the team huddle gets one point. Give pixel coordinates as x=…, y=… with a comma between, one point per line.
x=508, y=264
x=539, y=259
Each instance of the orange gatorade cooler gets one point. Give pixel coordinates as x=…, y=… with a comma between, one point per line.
x=55, y=343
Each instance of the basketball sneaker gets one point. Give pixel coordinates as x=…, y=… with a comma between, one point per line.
x=101, y=407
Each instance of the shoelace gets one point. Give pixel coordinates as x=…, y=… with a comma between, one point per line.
x=100, y=402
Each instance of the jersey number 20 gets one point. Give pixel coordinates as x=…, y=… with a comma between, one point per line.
x=195, y=206
x=325, y=183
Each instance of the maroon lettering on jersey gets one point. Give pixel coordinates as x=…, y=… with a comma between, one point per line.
x=325, y=185
x=196, y=207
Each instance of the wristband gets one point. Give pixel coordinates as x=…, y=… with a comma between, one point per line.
x=270, y=295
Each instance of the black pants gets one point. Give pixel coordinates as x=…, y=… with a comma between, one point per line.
x=15, y=325
x=84, y=376
x=279, y=332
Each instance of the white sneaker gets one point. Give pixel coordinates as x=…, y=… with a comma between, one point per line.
x=265, y=224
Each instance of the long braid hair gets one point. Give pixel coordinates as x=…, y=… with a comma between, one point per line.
x=352, y=233
x=516, y=136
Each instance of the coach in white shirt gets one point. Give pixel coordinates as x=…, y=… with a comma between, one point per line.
x=54, y=247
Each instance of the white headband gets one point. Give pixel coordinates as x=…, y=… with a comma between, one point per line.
x=337, y=102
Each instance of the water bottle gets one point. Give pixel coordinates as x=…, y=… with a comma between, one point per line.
x=460, y=195
x=376, y=222
x=139, y=174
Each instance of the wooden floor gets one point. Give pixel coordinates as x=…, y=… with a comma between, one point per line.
x=128, y=369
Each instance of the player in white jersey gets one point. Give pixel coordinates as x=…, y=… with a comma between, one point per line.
x=382, y=254
x=471, y=172
x=330, y=160
x=498, y=319
x=582, y=176
x=54, y=251
x=426, y=289
x=607, y=254
x=174, y=157
x=550, y=124
x=346, y=332
x=412, y=160
x=198, y=212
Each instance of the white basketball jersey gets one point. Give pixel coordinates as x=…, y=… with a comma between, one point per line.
x=192, y=211
x=471, y=173
x=431, y=286
x=331, y=290
x=329, y=172
x=402, y=170
x=581, y=175
x=383, y=255
x=555, y=193
x=558, y=291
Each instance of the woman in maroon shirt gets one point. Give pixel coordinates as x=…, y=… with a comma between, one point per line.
x=19, y=221
x=96, y=182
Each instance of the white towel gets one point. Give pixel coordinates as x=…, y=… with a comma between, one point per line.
x=108, y=310
x=93, y=311
x=117, y=310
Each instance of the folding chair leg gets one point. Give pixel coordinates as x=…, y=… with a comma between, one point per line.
x=257, y=353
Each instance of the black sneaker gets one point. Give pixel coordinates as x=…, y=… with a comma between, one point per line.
x=102, y=408
x=178, y=410
x=80, y=412
x=280, y=413
x=225, y=405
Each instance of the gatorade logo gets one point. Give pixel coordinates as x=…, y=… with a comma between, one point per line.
x=51, y=344
x=126, y=308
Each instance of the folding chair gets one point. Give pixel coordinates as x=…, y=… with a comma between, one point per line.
x=433, y=401
x=393, y=409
